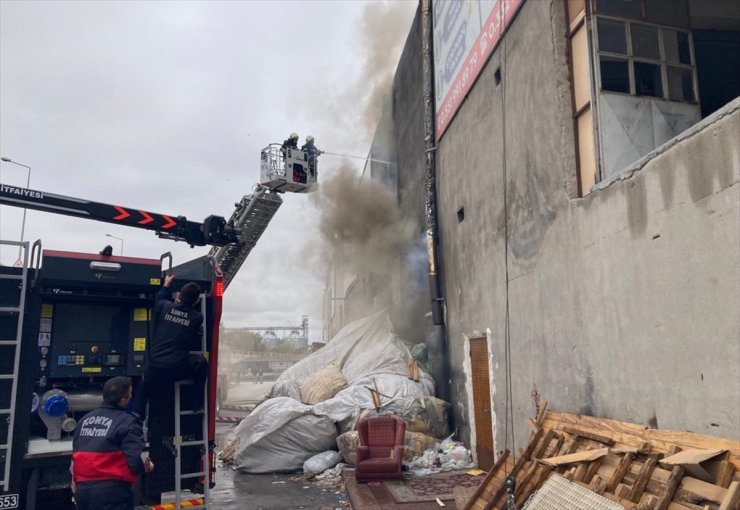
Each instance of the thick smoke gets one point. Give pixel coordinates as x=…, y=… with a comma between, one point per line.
x=383, y=35
x=363, y=239
x=361, y=226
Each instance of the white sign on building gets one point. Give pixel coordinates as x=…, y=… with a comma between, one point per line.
x=465, y=34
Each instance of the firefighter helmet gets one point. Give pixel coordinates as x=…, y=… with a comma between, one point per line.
x=293, y=135
x=309, y=138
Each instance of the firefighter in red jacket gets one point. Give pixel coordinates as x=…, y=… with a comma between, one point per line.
x=107, y=448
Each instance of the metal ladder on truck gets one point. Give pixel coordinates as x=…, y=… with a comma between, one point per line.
x=251, y=217
x=14, y=294
x=178, y=441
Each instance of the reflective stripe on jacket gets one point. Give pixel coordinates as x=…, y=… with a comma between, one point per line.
x=107, y=445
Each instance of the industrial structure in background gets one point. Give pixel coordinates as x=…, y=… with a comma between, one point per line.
x=69, y=321
x=279, y=348
x=296, y=338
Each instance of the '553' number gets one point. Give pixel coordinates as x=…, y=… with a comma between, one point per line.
x=9, y=501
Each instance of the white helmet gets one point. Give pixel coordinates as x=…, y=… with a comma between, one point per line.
x=309, y=138
x=293, y=135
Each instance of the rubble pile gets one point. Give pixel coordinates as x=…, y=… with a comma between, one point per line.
x=314, y=406
x=628, y=464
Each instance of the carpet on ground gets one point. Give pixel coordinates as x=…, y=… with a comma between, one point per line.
x=430, y=487
x=377, y=495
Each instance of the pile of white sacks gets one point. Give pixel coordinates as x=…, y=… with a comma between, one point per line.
x=314, y=406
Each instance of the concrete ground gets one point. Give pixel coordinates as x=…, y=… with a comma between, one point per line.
x=245, y=491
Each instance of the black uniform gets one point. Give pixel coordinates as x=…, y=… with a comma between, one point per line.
x=290, y=143
x=312, y=151
x=177, y=331
x=107, y=450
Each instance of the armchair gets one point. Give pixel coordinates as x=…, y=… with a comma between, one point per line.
x=380, y=452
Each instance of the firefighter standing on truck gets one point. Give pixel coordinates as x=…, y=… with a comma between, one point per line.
x=177, y=330
x=107, y=447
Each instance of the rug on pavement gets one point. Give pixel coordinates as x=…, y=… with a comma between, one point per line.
x=430, y=487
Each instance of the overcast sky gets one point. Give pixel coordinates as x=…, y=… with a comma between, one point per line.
x=165, y=106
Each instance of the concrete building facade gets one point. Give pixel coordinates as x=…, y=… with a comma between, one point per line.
x=607, y=280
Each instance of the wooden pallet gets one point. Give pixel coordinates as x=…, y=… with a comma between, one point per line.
x=630, y=464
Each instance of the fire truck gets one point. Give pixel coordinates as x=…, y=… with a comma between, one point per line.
x=70, y=321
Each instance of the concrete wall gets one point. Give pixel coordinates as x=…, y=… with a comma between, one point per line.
x=623, y=304
x=408, y=118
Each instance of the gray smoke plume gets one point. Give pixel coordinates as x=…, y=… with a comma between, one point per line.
x=362, y=239
x=383, y=35
x=360, y=224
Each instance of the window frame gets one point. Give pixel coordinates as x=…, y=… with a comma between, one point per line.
x=631, y=58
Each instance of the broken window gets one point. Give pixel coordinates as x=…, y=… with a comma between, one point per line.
x=645, y=60
x=649, y=62
x=676, y=46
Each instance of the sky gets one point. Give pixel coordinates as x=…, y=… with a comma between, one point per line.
x=165, y=106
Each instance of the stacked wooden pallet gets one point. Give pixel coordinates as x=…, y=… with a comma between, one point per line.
x=638, y=467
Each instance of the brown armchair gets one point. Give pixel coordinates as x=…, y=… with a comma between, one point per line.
x=380, y=452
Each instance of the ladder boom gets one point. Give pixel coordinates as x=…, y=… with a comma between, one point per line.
x=213, y=230
x=251, y=217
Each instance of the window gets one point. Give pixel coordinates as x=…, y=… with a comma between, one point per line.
x=644, y=59
x=615, y=75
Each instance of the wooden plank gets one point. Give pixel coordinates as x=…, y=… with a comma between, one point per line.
x=618, y=475
x=553, y=449
x=593, y=468
x=691, y=460
x=732, y=499
x=630, y=434
x=543, y=444
x=678, y=506
x=724, y=474
x=670, y=489
x=497, y=465
x=650, y=500
x=532, y=425
x=586, y=455
x=521, y=484
x=690, y=490
x=645, y=504
x=644, y=448
x=589, y=435
x=628, y=505
x=673, y=450
x=581, y=470
x=642, y=480
x=623, y=491
x=522, y=459
x=598, y=485
x=543, y=475
x=541, y=414
x=567, y=447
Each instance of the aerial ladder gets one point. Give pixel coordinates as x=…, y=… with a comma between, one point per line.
x=231, y=241
x=280, y=171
